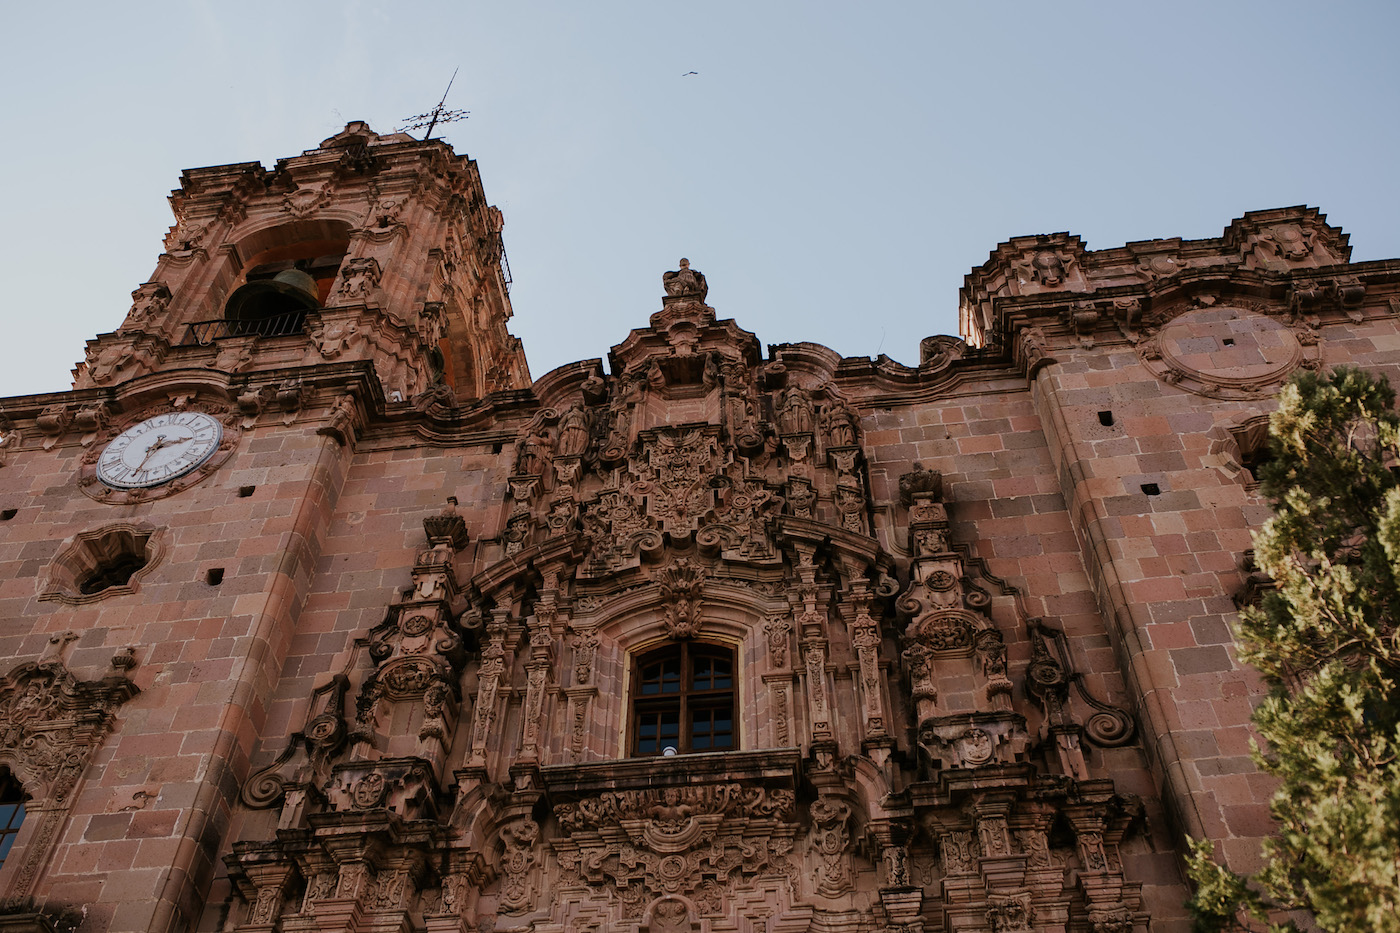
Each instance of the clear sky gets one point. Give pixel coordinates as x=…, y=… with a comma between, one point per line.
x=835, y=169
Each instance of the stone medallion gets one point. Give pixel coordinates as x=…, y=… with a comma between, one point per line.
x=1229, y=353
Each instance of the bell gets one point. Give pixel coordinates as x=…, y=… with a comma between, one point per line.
x=273, y=306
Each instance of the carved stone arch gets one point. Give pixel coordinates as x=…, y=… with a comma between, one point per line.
x=51, y=723
x=870, y=785
x=33, y=788
x=625, y=637
x=280, y=239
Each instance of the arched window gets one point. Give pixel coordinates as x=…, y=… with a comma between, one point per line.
x=683, y=699
x=11, y=812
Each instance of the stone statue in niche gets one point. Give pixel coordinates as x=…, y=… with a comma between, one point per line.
x=532, y=452
x=840, y=423
x=573, y=432
x=795, y=414
x=340, y=420
x=9, y=439
x=685, y=282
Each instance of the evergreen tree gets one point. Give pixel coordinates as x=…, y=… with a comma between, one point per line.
x=1327, y=643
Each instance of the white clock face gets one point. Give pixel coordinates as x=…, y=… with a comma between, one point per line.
x=159, y=449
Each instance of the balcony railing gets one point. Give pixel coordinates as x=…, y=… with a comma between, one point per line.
x=204, y=333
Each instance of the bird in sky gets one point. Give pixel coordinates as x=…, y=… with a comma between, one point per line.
x=689, y=73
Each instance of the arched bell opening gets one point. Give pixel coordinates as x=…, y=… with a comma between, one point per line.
x=283, y=284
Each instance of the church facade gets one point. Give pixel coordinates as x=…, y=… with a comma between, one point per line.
x=317, y=613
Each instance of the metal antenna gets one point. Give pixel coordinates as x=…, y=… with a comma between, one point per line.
x=437, y=115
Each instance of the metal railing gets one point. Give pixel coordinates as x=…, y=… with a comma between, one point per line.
x=204, y=333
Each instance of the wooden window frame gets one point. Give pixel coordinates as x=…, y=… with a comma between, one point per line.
x=12, y=801
x=685, y=701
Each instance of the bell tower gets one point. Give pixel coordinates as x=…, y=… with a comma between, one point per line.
x=180, y=498
x=369, y=247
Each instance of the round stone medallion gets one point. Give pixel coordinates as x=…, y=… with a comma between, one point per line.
x=1227, y=352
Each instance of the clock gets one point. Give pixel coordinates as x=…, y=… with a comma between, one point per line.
x=159, y=449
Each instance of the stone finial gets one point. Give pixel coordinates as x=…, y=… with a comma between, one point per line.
x=685, y=282
x=447, y=526
x=920, y=482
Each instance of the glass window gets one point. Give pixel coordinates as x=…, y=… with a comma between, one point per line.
x=684, y=699
x=11, y=812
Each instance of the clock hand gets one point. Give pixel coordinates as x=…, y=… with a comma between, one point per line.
x=161, y=442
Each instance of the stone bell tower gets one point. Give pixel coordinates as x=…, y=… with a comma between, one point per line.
x=369, y=247
x=175, y=506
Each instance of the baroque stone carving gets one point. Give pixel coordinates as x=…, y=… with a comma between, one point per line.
x=685, y=282
x=795, y=413
x=830, y=838
x=51, y=723
x=359, y=277
x=148, y=304
x=519, y=840
x=694, y=839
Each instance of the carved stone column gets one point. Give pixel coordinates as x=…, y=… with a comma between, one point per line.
x=488, y=680
x=865, y=639
x=419, y=650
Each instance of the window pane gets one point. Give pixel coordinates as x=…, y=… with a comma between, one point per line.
x=13, y=815
x=662, y=677
x=671, y=725
x=711, y=674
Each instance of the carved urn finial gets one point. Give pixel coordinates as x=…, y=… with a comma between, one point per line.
x=685, y=282
x=920, y=484
x=447, y=527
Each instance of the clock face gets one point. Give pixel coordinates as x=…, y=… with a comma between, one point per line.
x=159, y=449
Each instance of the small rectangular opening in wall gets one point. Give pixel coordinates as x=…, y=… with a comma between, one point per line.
x=495, y=448
x=1106, y=418
x=1152, y=489
x=1228, y=341
x=214, y=576
x=8, y=514
x=245, y=491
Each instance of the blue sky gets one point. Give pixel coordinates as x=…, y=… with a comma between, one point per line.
x=835, y=169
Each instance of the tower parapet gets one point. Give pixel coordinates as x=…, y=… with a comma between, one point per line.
x=368, y=247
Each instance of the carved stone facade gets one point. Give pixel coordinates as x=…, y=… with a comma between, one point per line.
x=703, y=637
